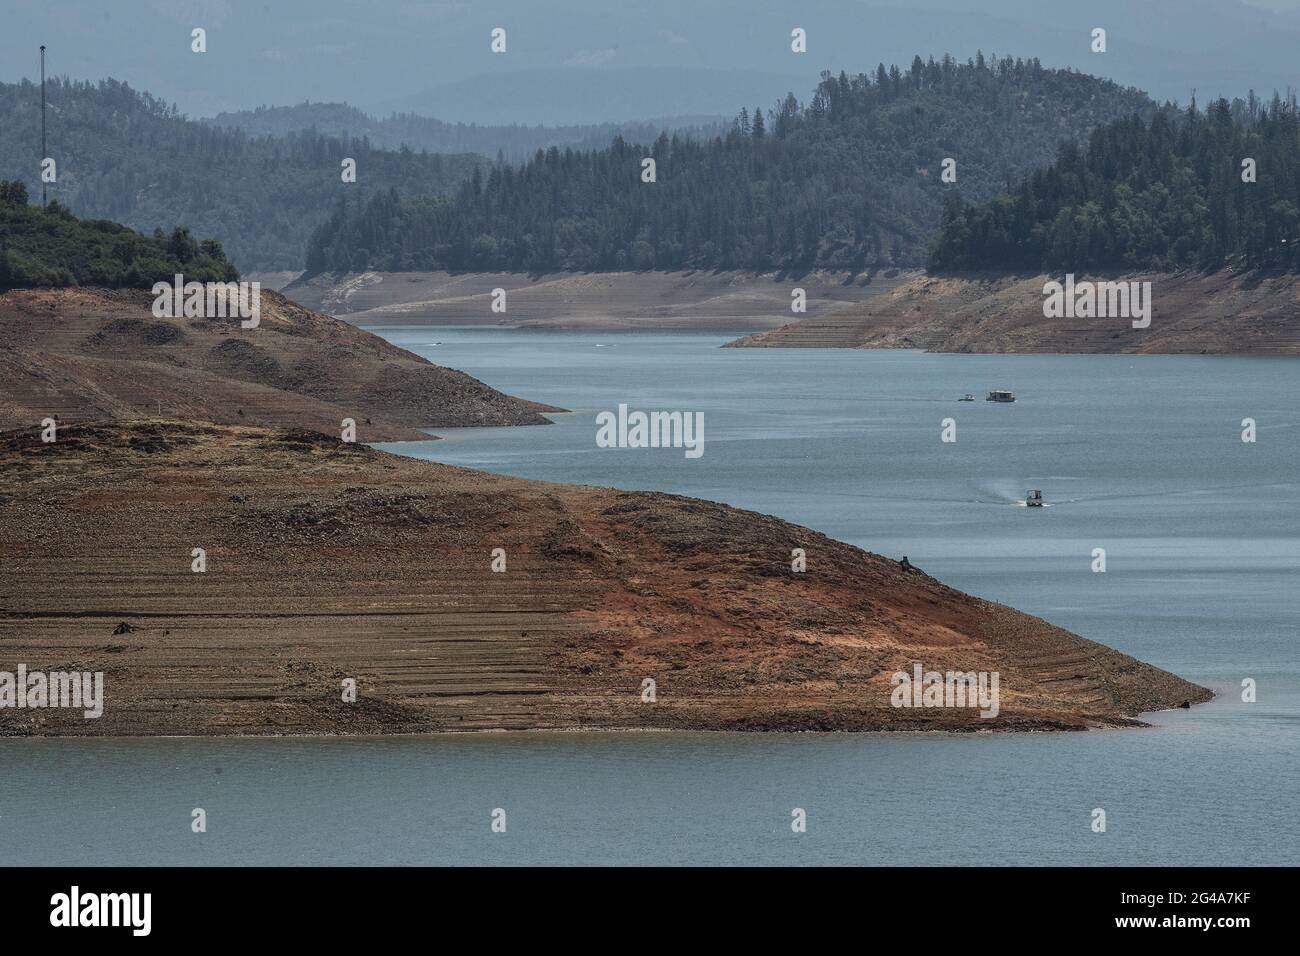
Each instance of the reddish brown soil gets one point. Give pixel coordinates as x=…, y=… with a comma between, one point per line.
x=329, y=560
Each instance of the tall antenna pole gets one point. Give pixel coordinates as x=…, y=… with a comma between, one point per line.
x=44, y=153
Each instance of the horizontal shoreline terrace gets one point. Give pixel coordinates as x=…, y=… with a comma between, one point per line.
x=329, y=562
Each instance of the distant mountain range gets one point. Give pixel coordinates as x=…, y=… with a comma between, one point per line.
x=849, y=181
x=852, y=181
x=127, y=156
x=513, y=142
x=576, y=95
x=259, y=181
x=571, y=62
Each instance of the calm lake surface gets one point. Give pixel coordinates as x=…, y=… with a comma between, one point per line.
x=1139, y=455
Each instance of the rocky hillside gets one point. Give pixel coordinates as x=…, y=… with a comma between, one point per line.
x=78, y=354
x=328, y=561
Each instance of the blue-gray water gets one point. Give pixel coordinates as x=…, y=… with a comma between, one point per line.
x=1139, y=455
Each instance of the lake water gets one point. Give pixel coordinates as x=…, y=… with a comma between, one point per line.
x=1139, y=455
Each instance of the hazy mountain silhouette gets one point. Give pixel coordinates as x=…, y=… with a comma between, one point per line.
x=434, y=58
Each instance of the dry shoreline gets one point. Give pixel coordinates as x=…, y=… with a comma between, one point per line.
x=329, y=560
x=1192, y=313
x=728, y=302
x=1135, y=724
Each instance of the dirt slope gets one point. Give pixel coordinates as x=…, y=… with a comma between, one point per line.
x=329, y=560
x=1192, y=312
x=82, y=354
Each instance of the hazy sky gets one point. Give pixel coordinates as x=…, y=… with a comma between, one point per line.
x=587, y=60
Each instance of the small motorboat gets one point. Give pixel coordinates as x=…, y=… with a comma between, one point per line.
x=1034, y=499
x=968, y=397
x=999, y=395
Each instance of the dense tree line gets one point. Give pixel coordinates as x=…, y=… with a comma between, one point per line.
x=51, y=247
x=515, y=142
x=850, y=181
x=127, y=156
x=1164, y=193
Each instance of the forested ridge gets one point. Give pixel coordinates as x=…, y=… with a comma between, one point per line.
x=1164, y=194
x=850, y=181
x=48, y=246
x=1055, y=170
x=127, y=156
x=514, y=142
